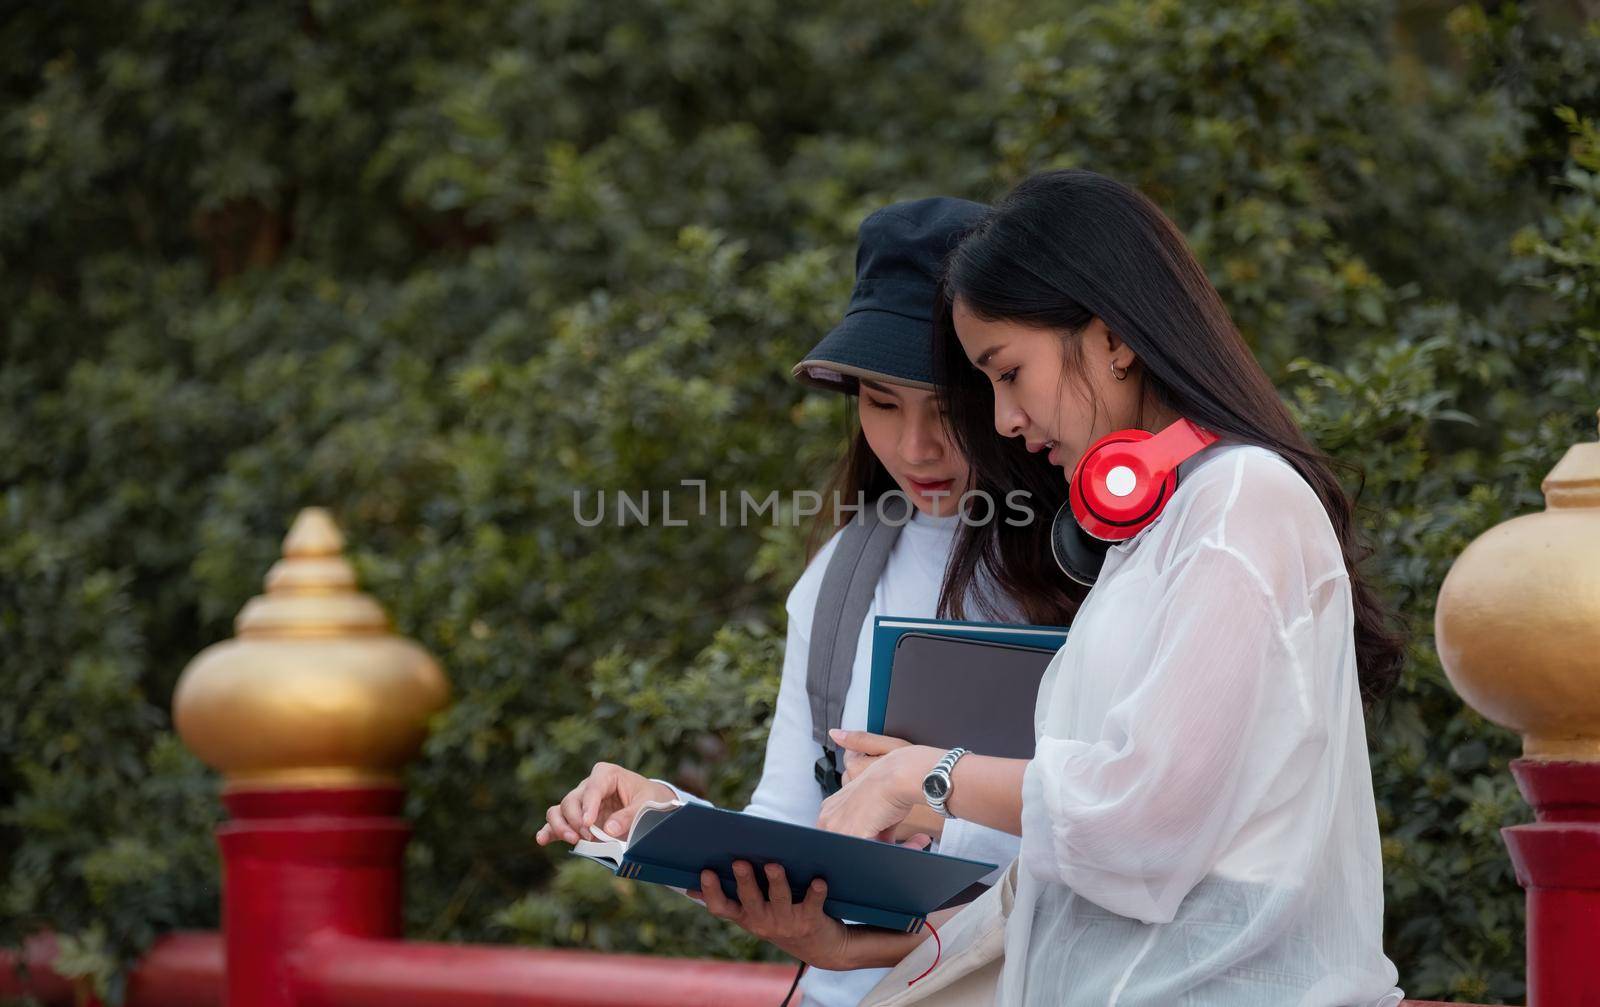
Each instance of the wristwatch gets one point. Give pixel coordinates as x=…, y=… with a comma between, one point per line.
x=936, y=785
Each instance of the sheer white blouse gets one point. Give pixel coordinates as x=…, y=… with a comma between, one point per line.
x=1198, y=824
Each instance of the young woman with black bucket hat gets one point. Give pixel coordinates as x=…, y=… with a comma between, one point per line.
x=909, y=540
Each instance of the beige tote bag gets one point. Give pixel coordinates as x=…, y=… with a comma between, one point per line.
x=974, y=943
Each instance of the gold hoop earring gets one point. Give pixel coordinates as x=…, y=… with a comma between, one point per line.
x=1121, y=375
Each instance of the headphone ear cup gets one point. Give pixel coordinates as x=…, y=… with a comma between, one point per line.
x=1078, y=554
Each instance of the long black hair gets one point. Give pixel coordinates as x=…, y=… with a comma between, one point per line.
x=1068, y=246
x=857, y=475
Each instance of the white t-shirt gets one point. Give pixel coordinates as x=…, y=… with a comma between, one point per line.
x=1198, y=823
x=788, y=791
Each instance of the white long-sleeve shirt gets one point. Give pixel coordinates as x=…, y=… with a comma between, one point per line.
x=1198, y=823
x=788, y=791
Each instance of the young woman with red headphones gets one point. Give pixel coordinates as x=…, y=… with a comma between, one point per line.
x=1197, y=823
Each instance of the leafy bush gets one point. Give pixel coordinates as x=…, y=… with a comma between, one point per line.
x=444, y=272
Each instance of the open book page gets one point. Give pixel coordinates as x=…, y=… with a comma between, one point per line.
x=610, y=850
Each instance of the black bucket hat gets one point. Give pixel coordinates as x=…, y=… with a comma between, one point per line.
x=887, y=331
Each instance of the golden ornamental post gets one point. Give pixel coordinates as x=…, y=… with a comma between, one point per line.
x=1518, y=631
x=311, y=713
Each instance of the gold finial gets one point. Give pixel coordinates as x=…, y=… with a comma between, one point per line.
x=311, y=591
x=315, y=690
x=1518, y=619
x=313, y=534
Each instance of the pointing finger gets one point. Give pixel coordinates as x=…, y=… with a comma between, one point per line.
x=865, y=742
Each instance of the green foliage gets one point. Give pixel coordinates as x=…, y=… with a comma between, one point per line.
x=445, y=269
x=1278, y=138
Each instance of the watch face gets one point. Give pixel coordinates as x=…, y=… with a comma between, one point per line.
x=936, y=787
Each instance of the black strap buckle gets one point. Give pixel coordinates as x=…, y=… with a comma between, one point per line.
x=827, y=773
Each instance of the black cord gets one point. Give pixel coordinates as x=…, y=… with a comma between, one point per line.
x=794, y=985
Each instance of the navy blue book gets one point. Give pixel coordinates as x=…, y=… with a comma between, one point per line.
x=879, y=884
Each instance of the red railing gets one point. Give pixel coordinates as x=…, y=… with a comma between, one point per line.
x=181, y=970
x=187, y=969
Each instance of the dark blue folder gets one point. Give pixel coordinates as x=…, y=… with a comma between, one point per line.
x=880, y=884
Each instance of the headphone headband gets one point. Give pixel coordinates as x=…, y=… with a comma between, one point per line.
x=1177, y=444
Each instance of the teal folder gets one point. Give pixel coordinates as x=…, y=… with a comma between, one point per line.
x=880, y=884
x=887, y=631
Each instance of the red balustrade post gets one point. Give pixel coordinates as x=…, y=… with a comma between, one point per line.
x=1557, y=859
x=301, y=863
x=310, y=712
x=1518, y=631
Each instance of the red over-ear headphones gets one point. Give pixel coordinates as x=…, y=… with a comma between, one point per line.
x=1117, y=489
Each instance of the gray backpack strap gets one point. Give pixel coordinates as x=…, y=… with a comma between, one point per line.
x=845, y=598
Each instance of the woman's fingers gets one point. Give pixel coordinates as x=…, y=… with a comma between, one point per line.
x=801, y=928
x=778, y=887
x=557, y=823
x=751, y=901
x=816, y=895
x=572, y=809
x=865, y=742
x=712, y=895
x=618, y=824
x=602, y=783
x=855, y=764
x=608, y=793
x=874, y=801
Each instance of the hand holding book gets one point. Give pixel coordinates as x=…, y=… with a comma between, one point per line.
x=762, y=898
x=877, y=883
x=800, y=928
